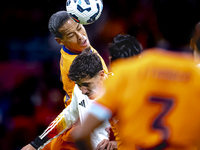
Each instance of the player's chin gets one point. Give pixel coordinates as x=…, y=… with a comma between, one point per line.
x=92, y=96
x=85, y=44
x=85, y=48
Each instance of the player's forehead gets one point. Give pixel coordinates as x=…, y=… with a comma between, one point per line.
x=69, y=26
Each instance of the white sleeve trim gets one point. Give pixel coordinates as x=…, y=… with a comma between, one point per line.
x=99, y=111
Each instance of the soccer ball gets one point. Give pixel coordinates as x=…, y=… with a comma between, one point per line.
x=84, y=11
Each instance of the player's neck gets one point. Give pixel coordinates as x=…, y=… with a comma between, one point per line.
x=70, y=51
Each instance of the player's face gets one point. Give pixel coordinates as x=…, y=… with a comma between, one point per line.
x=91, y=86
x=74, y=36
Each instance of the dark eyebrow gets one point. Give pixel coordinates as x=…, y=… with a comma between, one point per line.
x=78, y=26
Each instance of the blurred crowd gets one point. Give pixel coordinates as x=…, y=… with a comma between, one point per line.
x=31, y=93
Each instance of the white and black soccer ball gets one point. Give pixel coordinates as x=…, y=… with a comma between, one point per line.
x=84, y=11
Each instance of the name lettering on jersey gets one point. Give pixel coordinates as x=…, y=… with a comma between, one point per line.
x=82, y=103
x=169, y=75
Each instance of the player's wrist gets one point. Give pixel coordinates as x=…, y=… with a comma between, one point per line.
x=38, y=142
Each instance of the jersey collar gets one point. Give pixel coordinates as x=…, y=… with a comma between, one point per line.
x=68, y=51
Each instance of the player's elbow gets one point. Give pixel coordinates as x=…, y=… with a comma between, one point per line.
x=79, y=134
x=81, y=138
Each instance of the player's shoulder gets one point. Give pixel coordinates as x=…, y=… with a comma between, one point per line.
x=150, y=57
x=66, y=58
x=67, y=53
x=196, y=69
x=198, y=65
x=141, y=59
x=93, y=49
x=126, y=63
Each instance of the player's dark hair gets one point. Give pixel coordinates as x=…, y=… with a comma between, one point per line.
x=85, y=65
x=176, y=20
x=56, y=21
x=124, y=46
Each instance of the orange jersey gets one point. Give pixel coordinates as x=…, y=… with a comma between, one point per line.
x=59, y=144
x=114, y=122
x=63, y=141
x=65, y=62
x=157, y=99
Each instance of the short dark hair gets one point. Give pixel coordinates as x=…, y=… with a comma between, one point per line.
x=177, y=19
x=56, y=21
x=85, y=65
x=124, y=46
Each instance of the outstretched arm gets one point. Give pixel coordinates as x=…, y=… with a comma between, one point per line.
x=63, y=121
x=56, y=127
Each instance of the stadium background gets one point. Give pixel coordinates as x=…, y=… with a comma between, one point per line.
x=30, y=90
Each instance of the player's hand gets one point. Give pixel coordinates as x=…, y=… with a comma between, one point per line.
x=28, y=147
x=112, y=145
x=102, y=145
x=106, y=144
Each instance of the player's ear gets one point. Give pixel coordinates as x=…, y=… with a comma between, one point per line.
x=102, y=74
x=59, y=40
x=110, y=58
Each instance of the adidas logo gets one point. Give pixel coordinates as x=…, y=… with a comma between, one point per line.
x=82, y=103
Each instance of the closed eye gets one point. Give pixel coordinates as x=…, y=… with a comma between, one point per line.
x=79, y=27
x=86, y=84
x=71, y=35
x=83, y=84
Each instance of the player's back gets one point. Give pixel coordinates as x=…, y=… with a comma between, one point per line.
x=159, y=101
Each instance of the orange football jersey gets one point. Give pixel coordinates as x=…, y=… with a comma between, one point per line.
x=157, y=99
x=114, y=122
